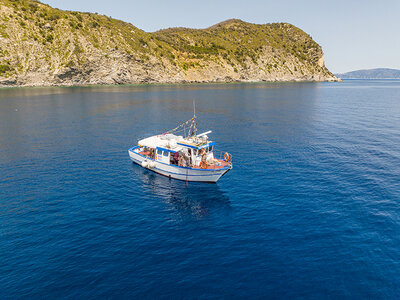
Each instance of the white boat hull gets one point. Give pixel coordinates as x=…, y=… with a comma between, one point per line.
x=177, y=172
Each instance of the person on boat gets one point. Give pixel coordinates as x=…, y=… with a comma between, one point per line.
x=185, y=160
x=203, y=154
x=176, y=158
x=190, y=163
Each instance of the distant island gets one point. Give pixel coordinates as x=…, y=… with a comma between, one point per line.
x=44, y=46
x=379, y=73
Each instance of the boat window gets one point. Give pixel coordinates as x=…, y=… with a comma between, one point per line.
x=159, y=152
x=210, y=148
x=165, y=153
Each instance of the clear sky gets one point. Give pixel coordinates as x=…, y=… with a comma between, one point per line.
x=354, y=34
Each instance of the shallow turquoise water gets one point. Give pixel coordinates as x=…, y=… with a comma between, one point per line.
x=310, y=209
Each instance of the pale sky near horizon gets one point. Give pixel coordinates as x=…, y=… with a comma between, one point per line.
x=354, y=34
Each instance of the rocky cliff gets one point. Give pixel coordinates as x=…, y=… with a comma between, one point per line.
x=40, y=45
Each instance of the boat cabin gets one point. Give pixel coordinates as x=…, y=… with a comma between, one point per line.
x=164, y=155
x=176, y=150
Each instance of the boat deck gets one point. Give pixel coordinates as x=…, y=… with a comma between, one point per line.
x=222, y=165
x=214, y=167
x=147, y=153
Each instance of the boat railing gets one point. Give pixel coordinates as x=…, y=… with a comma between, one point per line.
x=223, y=155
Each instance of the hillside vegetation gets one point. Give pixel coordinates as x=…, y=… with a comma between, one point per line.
x=40, y=45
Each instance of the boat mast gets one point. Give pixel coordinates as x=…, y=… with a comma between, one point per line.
x=194, y=119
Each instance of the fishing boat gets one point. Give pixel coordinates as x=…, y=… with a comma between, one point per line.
x=188, y=157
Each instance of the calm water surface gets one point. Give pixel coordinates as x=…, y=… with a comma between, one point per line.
x=311, y=208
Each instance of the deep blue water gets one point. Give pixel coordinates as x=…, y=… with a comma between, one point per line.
x=311, y=208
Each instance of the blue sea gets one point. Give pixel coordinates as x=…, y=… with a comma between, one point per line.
x=311, y=208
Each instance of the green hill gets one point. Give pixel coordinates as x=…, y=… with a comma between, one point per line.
x=379, y=73
x=40, y=45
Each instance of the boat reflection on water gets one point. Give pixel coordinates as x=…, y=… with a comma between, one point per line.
x=188, y=200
